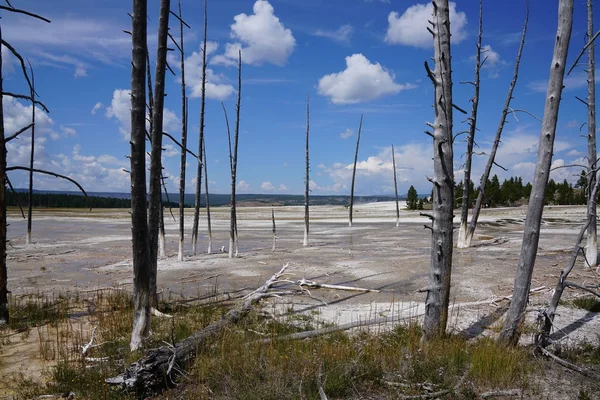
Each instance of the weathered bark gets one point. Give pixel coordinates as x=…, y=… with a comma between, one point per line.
x=161, y=233
x=184, y=121
x=466, y=197
x=274, y=229
x=306, y=182
x=139, y=223
x=155, y=181
x=200, y=138
x=207, y=201
x=396, y=187
x=491, y=160
x=354, y=173
x=512, y=327
x=233, y=246
x=438, y=291
x=592, y=233
x=546, y=317
x=4, y=316
x=31, y=158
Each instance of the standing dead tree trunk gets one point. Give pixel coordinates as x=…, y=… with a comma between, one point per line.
x=511, y=331
x=492, y=159
x=184, y=121
x=466, y=198
x=438, y=291
x=200, y=138
x=233, y=237
x=354, y=173
x=396, y=187
x=306, y=182
x=207, y=201
x=31, y=158
x=592, y=232
x=274, y=229
x=139, y=224
x=4, y=316
x=155, y=189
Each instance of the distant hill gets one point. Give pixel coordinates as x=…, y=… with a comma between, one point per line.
x=217, y=199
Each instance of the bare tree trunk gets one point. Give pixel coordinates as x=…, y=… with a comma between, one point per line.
x=274, y=229
x=491, y=161
x=592, y=233
x=233, y=246
x=354, y=173
x=396, y=187
x=201, y=138
x=438, y=292
x=161, y=231
x=466, y=198
x=139, y=223
x=207, y=201
x=511, y=331
x=4, y=317
x=31, y=158
x=184, y=121
x=154, y=194
x=306, y=183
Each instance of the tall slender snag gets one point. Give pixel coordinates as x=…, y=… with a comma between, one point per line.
x=274, y=229
x=438, y=290
x=155, y=181
x=396, y=187
x=354, y=173
x=31, y=158
x=4, y=317
x=592, y=232
x=139, y=224
x=466, y=197
x=233, y=245
x=306, y=182
x=200, y=137
x=184, y=121
x=491, y=160
x=207, y=201
x=512, y=327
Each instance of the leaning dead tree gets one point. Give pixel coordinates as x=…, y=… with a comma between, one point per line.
x=466, y=197
x=207, y=201
x=354, y=173
x=396, y=187
x=492, y=158
x=31, y=158
x=512, y=326
x=156, y=135
x=139, y=226
x=233, y=237
x=274, y=229
x=438, y=290
x=184, y=121
x=306, y=182
x=200, y=138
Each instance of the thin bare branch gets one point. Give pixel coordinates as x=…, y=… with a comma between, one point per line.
x=25, y=97
x=17, y=133
x=12, y=189
x=589, y=43
x=179, y=144
x=16, y=10
x=180, y=19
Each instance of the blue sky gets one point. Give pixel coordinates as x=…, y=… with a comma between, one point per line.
x=350, y=57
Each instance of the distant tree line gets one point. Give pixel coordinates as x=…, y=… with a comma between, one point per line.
x=69, y=201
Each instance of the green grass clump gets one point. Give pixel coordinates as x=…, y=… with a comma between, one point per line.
x=587, y=303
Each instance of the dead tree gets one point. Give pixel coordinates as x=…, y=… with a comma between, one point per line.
x=207, y=201
x=184, y=121
x=155, y=183
x=396, y=187
x=592, y=232
x=492, y=158
x=200, y=138
x=354, y=173
x=274, y=229
x=466, y=197
x=306, y=183
x=31, y=158
x=511, y=331
x=233, y=237
x=438, y=290
x=139, y=224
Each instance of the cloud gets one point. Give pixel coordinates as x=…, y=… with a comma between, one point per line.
x=577, y=80
x=347, y=133
x=242, y=186
x=361, y=81
x=341, y=34
x=216, y=88
x=283, y=188
x=64, y=61
x=491, y=57
x=17, y=115
x=269, y=187
x=68, y=131
x=575, y=153
x=261, y=37
x=97, y=107
x=410, y=29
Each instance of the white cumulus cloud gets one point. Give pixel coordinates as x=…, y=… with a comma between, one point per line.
x=341, y=34
x=347, y=133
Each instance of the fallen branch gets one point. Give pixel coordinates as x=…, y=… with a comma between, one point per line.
x=159, y=314
x=569, y=365
x=85, y=348
x=503, y=393
x=313, y=284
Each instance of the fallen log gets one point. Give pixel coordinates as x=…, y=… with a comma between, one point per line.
x=159, y=366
